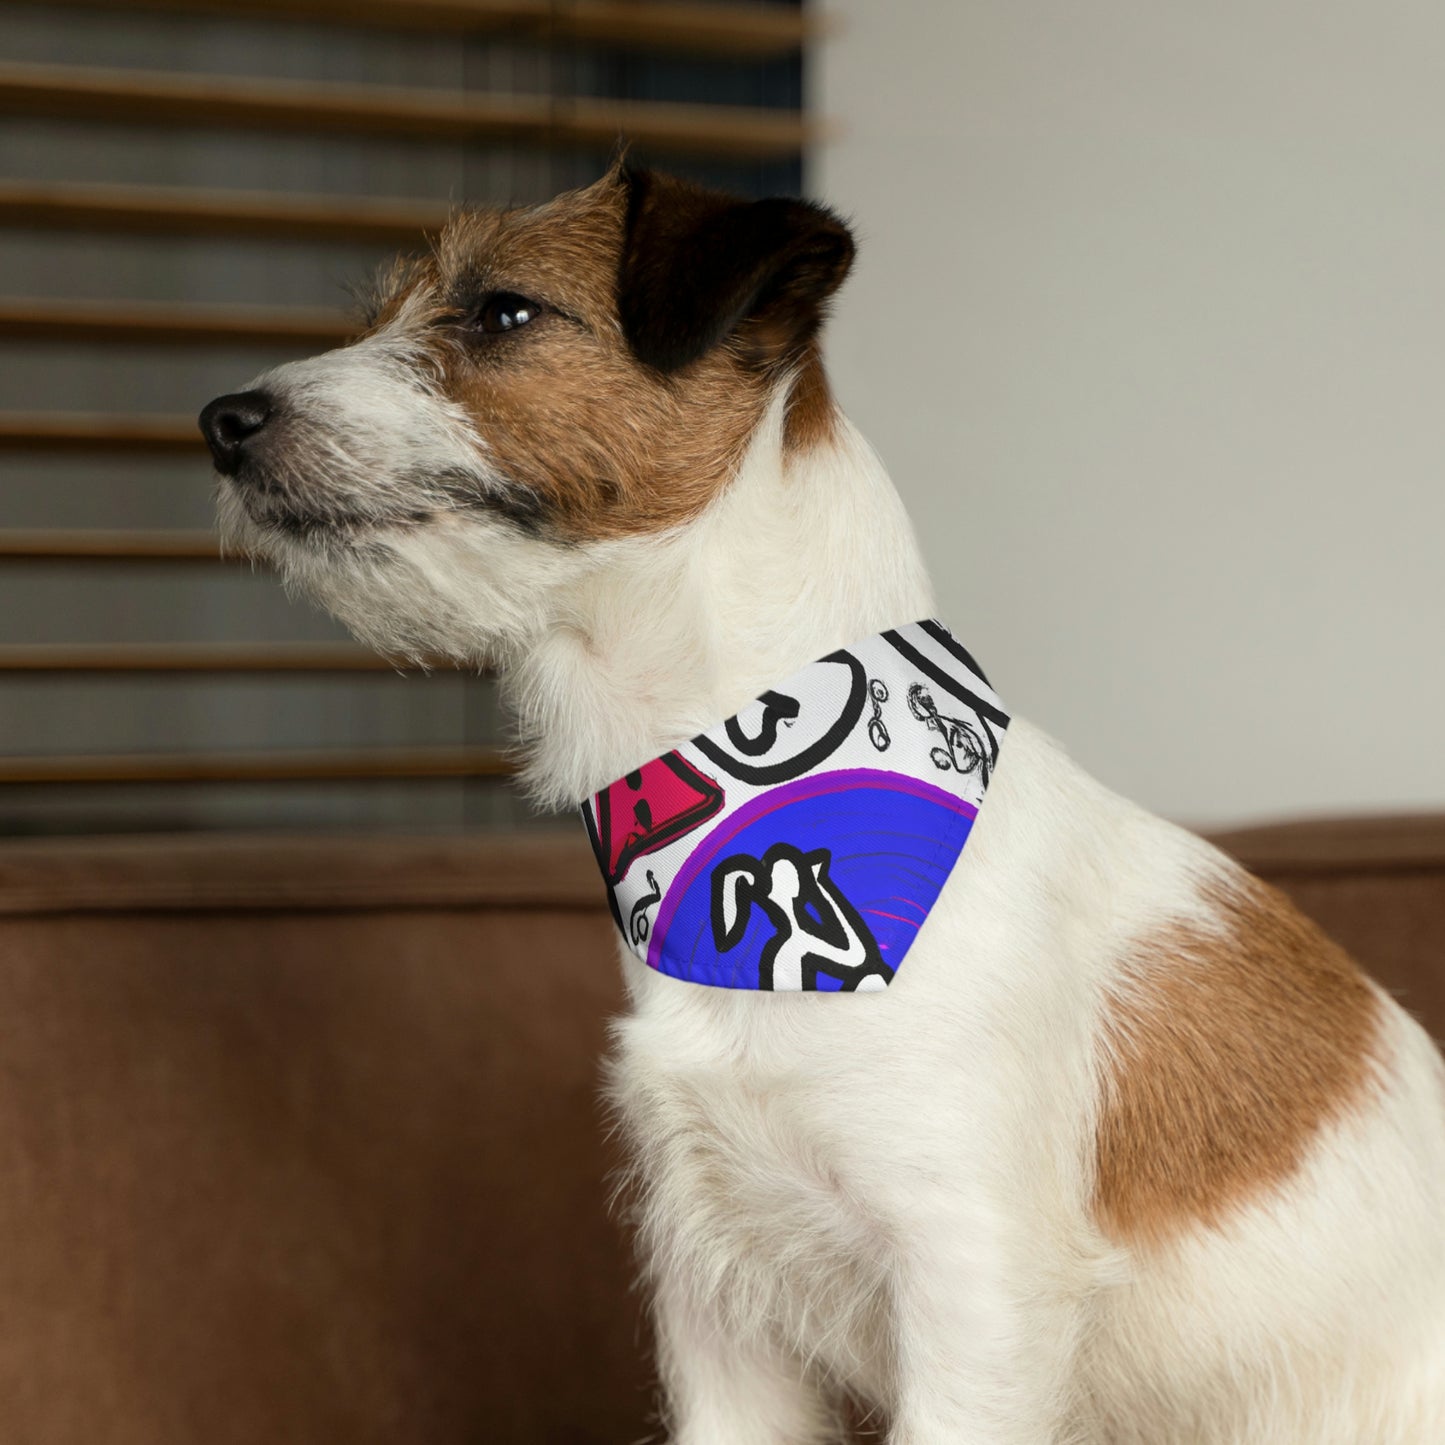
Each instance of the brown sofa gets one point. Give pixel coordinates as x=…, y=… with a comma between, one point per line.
x=299, y=1140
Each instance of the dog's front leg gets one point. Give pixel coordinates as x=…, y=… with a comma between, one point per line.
x=724, y=1387
x=985, y=1345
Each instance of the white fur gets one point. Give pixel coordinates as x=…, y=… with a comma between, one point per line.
x=891, y=1195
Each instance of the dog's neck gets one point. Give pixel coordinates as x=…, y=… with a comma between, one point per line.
x=805, y=552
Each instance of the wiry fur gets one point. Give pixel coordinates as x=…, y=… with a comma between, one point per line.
x=897, y=1197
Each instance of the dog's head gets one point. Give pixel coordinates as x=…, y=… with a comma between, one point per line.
x=547, y=382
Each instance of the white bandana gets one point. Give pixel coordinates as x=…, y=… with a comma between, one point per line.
x=802, y=843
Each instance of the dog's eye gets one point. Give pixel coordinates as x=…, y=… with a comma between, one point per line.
x=505, y=311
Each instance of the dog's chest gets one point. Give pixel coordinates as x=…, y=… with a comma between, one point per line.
x=748, y=1185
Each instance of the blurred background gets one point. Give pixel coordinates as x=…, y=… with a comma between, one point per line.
x=1149, y=324
x=301, y=1005
x=1146, y=323
x=190, y=193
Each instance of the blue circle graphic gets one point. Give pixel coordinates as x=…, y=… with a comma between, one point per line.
x=890, y=843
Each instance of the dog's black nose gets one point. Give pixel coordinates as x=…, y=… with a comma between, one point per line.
x=229, y=422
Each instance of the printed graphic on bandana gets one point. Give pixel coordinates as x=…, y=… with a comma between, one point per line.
x=801, y=844
x=814, y=927
x=647, y=809
x=778, y=737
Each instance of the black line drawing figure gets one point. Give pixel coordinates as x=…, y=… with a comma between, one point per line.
x=816, y=930
x=964, y=750
x=639, y=925
x=877, y=728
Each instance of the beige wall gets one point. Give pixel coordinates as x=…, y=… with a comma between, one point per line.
x=1149, y=324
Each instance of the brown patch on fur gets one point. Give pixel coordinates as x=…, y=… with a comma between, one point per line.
x=812, y=413
x=1229, y=1051
x=595, y=442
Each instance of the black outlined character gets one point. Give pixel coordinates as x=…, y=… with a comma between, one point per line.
x=778, y=710
x=815, y=929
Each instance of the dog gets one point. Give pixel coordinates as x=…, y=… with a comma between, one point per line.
x=1125, y=1152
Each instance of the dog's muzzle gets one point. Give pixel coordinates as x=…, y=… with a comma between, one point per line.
x=231, y=424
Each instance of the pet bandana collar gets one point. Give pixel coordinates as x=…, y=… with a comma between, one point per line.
x=801, y=844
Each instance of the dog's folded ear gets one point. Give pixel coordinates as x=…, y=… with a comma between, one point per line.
x=699, y=267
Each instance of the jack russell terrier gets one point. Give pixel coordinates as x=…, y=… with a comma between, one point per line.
x=1100, y=1142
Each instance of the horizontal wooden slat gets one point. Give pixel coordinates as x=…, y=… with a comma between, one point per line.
x=704, y=29
x=108, y=546
x=171, y=324
x=215, y=101
x=178, y=657
x=93, y=431
x=173, y=211
x=266, y=767
x=320, y=871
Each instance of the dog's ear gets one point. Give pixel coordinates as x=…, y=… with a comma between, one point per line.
x=699, y=267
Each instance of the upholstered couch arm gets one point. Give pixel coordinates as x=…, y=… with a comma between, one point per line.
x=300, y=1141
